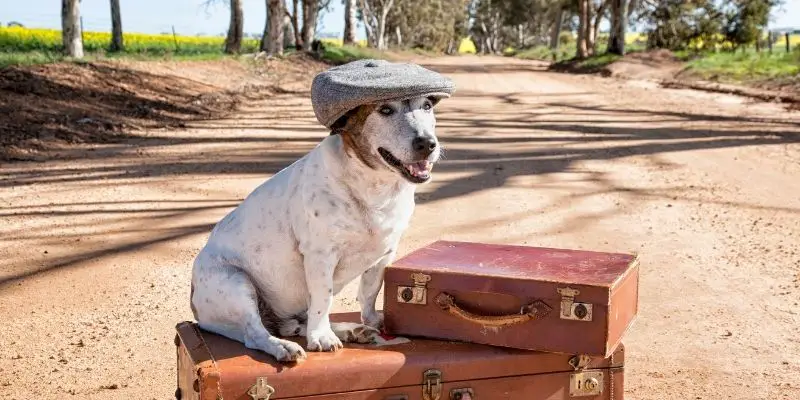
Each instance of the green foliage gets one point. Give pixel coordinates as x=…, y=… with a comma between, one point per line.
x=12, y=58
x=746, y=19
x=17, y=58
x=747, y=66
x=430, y=25
x=344, y=54
x=598, y=61
x=544, y=53
x=566, y=39
x=676, y=23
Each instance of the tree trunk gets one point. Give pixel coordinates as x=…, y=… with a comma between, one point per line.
x=264, y=44
x=276, y=26
x=71, y=28
x=555, y=35
x=398, y=35
x=496, y=33
x=583, y=29
x=298, y=34
x=385, y=8
x=371, y=22
x=288, y=32
x=595, y=29
x=310, y=11
x=116, y=27
x=233, y=43
x=349, y=22
x=272, y=42
x=619, y=22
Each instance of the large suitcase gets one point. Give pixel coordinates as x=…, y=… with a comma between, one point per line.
x=551, y=300
x=211, y=367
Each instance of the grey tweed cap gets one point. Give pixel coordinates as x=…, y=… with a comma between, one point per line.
x=340, y=89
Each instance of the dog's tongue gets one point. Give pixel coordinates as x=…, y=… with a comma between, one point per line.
x=419, y=169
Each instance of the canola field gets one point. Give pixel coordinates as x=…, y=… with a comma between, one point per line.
x=18, y=39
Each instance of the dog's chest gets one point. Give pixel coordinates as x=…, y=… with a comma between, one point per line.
x=369, y=236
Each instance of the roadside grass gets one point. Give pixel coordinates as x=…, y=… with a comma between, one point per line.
x=744, y=67
x=343, y=54
x=22, y=58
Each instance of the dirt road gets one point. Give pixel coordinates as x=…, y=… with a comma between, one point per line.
x=96, y=252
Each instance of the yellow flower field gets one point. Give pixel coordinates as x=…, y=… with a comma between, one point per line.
x=27, y=39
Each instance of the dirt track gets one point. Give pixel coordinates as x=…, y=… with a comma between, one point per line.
x=96, y=252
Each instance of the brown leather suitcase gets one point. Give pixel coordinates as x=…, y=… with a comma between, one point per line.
x=551, y=300
x=211, y=367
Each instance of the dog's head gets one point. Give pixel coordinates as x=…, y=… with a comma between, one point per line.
x=398, y=136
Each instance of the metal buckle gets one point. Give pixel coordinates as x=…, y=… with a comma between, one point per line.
x=417, y=294
x=572, y=310
x=586, y=383
x=432, y=384
x=261, y=391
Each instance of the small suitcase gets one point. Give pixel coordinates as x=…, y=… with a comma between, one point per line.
x=551, y=300
x=211, y=367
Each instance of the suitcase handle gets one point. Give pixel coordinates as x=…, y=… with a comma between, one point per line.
x=528, y=312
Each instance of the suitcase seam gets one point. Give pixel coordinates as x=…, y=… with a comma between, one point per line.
x=213, y=361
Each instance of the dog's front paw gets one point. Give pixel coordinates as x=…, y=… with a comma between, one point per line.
x=288, y=351
x=323, y=340
x=373, y=319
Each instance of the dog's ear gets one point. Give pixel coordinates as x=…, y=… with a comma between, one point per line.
x=350, y=127
x=353, y=121
x=434, y=100
x=340, y=124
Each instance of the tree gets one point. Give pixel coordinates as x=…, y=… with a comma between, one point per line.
x=272, y=40
x=233, y=42
x=349, y=21
x=675, y=24
x=619, y=23
x=583, y=29
x=310, y=13
x=277, y=13
x=433, y=25
x=746, y=19
x=117, y=43
x=71, y=28
x=558, y=22
x=374, y=14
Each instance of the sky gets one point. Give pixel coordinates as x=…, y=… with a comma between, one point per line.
x=191, y=17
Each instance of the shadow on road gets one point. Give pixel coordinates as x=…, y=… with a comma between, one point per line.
x=494, y=141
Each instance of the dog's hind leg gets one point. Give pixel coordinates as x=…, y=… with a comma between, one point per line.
x=226, y=302
x=351, y=332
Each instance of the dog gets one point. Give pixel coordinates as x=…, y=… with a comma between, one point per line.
x=272, y=266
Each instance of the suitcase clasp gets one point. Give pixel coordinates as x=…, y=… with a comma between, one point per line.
x=417, y=294
x=572, y=310
x=586, y=383
x=261, y=391
x=432, y=385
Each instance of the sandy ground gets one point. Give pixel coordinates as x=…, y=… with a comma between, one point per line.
x=96, y=252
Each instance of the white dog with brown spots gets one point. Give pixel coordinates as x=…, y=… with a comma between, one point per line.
x=272, y=267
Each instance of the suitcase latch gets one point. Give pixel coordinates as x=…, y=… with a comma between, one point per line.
x=261, y=391
x=586, y=383
x=572, y=310
x=417, y=294
x=432, y=385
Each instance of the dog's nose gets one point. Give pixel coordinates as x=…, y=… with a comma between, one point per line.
x=424, y=145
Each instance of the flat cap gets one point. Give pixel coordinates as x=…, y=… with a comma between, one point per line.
x=340, y=89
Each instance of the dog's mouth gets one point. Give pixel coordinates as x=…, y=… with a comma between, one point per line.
x=416, y=172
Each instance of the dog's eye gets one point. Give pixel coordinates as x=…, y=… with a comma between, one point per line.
x=386, y=110
x=427, y=106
